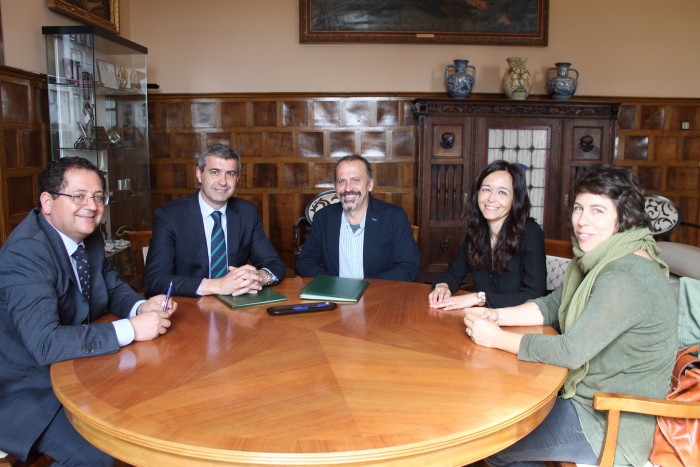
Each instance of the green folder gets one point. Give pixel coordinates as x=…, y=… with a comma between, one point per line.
x=266, y=295
x=337, y=289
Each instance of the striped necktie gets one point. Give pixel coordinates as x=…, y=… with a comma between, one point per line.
x=82, y=264
x=217, y=262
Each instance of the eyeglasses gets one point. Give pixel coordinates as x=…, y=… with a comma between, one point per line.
x=82, y=198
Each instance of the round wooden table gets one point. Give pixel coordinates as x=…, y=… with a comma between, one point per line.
x=385, y=381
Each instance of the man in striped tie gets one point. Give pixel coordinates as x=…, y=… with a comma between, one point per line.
x=211, y=242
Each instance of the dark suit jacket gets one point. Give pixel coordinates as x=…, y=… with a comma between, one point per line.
x=44, y=319
x=178, y=249
x=389, y=251
x=526, y=279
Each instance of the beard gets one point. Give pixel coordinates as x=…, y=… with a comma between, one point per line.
x=347, y=206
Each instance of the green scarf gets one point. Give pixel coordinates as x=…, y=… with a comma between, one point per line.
x=581, y=275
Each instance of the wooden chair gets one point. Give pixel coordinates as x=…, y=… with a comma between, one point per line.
x=617, y=403
x=302, y=225
x=140, y=240
x=682, y=260
x=664, y=215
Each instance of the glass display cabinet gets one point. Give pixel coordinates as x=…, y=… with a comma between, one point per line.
x=98, y=110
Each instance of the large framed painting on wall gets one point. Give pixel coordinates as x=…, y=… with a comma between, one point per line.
x=490, y=22
x=101, y=13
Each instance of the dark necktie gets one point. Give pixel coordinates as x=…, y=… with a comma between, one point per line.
x=217, y=263
x=82, y=264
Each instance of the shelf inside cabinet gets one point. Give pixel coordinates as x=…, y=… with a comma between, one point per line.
x=97, y=93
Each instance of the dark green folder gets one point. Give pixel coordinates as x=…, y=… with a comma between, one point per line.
x=337, y=289
x=266, y=295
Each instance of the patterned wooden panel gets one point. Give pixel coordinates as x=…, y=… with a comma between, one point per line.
x=249, y=144
x=310, y=144
x=652, y=117
x=15, y=99
x=187, y=144
x=24, y=144
x=295, y=113
x=358, y=113
x=691, y=149
x=289, y=146
x=280, y=144
x=204, y=114
x=342, y=143
x=298, y=140
x=373, y=143
x=388, y=113
x=218, y=138
x=447, y=186
x=295, y=175
x=653, y=142
x=233, y=114
x=33, y=146
x=326, y=113
x=402, y=144
x=11, y=149
x=23, y=195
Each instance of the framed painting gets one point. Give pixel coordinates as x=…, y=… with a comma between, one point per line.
x=488, y=22
x=101, y=13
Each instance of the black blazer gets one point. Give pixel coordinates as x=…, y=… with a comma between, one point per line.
x=389, y=251
x=527, y=278
x=44, y=319
x=178, y=248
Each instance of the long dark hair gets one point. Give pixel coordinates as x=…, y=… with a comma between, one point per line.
x=513, y=230
x=622, y=187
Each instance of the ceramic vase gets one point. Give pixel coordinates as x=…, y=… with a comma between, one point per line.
x=562, y=81
x=461, y=80
x=517, y=81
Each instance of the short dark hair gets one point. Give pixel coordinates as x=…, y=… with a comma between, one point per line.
x=622, y=187
x=222, y=151
x=352, y=158
x=52, y=178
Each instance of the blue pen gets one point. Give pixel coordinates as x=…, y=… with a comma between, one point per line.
x=167, y=297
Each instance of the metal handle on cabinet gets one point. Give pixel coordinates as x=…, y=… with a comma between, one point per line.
x=586, y=143
x=465, y=198
x=565, y=200
x=447, y=140
x=444, y=245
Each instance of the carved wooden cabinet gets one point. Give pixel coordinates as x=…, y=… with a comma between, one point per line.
x=456, y=139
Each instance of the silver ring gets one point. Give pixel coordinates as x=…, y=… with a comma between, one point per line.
x=469, y=332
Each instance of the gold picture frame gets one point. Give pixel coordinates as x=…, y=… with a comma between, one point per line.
x=507, y=22
x=103, y=13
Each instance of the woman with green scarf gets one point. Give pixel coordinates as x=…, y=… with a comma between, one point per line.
x=617, y=318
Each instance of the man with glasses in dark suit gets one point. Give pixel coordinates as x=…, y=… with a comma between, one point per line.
x=54, y=283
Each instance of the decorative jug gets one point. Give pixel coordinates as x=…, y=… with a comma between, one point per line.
x=517, y=81
x=560, y=84
x=460, y=82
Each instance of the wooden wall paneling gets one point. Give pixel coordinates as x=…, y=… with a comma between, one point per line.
x=24, y=144
x=654, y=142
x=289, y=145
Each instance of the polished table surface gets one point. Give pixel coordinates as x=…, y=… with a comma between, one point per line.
x=385, y=381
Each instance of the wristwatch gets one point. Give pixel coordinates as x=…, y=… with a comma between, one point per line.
x=270, y=278
x=481, y=298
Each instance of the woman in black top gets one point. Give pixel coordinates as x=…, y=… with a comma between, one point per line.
x=503, y=249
